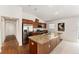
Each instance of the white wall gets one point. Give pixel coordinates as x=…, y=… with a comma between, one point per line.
x=71, y=29
x=15, y=12
x=31, y=17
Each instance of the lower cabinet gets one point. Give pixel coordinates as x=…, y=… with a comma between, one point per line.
x=44, y=49
x=36, y=48
x=32, y=47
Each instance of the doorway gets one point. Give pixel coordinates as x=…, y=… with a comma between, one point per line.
x=9, y=35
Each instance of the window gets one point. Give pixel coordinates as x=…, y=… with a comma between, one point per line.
x=51, y=26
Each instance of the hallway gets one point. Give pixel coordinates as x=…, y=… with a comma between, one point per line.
x=11, y=46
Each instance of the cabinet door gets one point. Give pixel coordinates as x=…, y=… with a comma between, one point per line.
x=44, y=48
x=27, y=21
x=43, y=25
x=35, y=25
x=32, y=47
x=54, y=43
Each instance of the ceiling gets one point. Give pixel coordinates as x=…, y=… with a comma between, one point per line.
x=51, y=12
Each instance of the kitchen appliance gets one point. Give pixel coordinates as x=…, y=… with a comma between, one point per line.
x=26, y=32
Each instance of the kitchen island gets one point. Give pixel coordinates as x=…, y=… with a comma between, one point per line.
x=43, y=44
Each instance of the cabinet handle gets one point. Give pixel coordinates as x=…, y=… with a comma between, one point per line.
x=32, y=43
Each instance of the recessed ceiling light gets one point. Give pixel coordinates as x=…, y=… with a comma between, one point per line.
x=56, y=13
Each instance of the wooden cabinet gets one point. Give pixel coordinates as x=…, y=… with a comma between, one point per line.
x=26, y=21
x=36, y=48
x=39, y=25
x=32, y=47
x=35, y=25
x=44, y=49
x=36, y=33
x=54, y=43
x=43, y=25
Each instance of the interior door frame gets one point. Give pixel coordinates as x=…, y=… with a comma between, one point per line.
x=3, y=18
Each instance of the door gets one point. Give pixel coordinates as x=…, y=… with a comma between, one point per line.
x=10, y=27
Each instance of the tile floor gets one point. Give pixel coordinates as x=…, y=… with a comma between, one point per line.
x=66, y=47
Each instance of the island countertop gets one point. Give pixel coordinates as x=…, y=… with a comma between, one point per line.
x=41, y=39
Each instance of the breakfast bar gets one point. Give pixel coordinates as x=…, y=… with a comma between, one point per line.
x=43, y=44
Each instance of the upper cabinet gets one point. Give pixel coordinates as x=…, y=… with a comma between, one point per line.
x=42, y=25
x=36, y=23
x=26, y=21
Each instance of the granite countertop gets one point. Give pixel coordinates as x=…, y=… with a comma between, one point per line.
x=43, y=38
